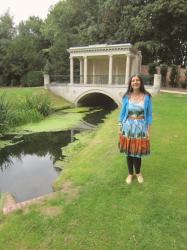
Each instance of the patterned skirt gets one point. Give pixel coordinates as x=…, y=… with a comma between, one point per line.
x=134, y=135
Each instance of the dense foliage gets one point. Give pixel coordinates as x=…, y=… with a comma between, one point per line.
x=4, y=113
x=163, y=72
x=158, y=28
x=30, y=109
x=174, y=75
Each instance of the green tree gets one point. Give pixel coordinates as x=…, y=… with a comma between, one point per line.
x=158, y=28
x=69, y=23
x=163, y=72
x=174, y=75
x=24, y=53
x=7, y=33
x=152, y=70
x=162, y=28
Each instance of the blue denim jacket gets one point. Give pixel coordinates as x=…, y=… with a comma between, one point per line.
x=147, y=110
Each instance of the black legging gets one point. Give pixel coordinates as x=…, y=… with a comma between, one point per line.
x=136, y=161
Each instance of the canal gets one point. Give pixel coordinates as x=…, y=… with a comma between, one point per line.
x=27, y=168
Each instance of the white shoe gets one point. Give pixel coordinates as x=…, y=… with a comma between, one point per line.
x=140, y=178
x=129, y=179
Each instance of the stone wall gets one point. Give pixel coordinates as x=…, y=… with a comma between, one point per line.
x=144, y=71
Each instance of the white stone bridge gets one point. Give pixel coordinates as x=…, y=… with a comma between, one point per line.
x=76, y=93
x=104, y=70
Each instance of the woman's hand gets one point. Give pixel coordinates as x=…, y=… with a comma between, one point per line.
x=148, y=132
x=148, y=136
x=119, y=128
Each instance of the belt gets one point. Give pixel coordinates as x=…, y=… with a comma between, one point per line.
x=135, y=117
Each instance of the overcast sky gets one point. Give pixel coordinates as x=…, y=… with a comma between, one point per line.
x=22, y=9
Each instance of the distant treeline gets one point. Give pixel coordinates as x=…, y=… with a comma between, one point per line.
x=158, y=28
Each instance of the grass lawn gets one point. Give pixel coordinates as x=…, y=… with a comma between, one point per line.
x=97, y=210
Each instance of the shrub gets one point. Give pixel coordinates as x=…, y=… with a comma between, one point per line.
x=152, y=70
x=4, y=80
x=32, y=109
x=32, y=79
x=14, y=82
x=23, y=116
x=185, y=75
x=163, y=72
x=174, y=75
x=5, y=109
x=41, y=104
x=147, y=80
x=183, y=84
x=23, y=80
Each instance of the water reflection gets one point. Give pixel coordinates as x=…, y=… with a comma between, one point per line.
x=39, y=144
x=27, y=168
x=96, y=117
x=29, y=177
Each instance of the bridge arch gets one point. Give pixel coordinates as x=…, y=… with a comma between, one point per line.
x=96, y=91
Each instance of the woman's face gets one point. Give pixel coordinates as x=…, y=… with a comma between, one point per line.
x=135, y=83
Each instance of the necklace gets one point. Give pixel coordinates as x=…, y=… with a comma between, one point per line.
x=136, y=97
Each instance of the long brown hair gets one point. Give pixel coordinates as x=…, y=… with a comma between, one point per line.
x=142, y=88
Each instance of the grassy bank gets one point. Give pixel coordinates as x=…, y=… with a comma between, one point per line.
x=16, y=95
x=97, y=210
x=20, y=106
x=65, y=117
x=56, y=121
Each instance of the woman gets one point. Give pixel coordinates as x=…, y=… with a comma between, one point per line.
x=135, y=119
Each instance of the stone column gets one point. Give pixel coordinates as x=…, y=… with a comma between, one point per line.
x=117, y=80
x=133, y=65
x=139, y=61
x=157, y=81
x=85, y=70
x=71, y=70
x=110, y=69
x=93, y=73
x=127, y=72
x=46, y=80
x=81, y=70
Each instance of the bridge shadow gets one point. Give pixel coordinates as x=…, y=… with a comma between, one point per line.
x=98, y=99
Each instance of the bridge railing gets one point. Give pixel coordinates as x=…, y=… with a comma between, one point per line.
x=96, y=79
x=118, y=79
x=91, y=79
x=60, y=78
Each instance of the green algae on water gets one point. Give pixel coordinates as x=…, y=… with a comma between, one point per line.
x=56, y=122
